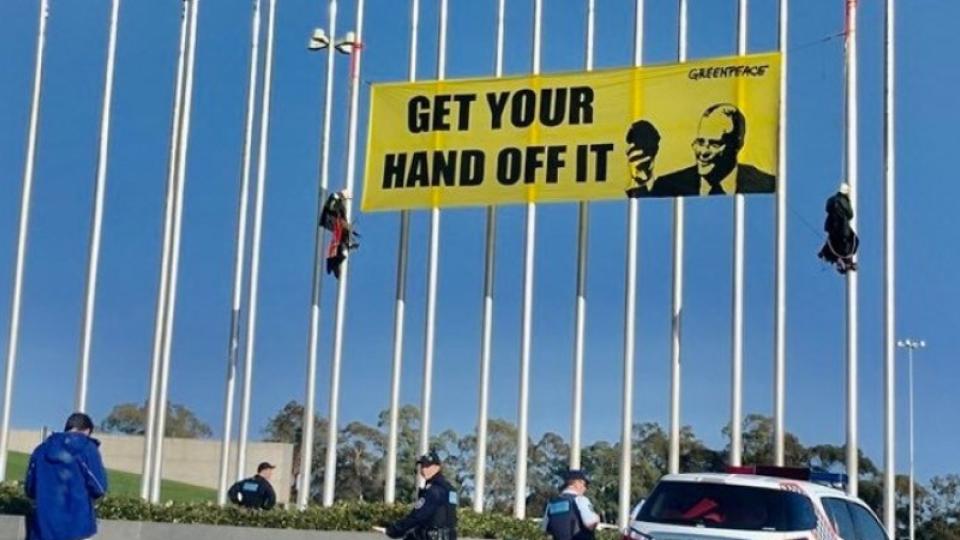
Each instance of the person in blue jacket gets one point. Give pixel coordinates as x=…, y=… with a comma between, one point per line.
x=64, y=478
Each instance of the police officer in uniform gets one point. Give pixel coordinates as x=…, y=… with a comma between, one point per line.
x=434, y=516
x=255, y=492
x=570, y=515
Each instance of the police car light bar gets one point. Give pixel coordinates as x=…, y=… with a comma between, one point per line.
x=793, y=473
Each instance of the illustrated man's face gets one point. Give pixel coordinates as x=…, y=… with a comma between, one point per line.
x=715, y=146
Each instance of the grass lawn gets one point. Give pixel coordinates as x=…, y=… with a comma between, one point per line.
x=124, y=483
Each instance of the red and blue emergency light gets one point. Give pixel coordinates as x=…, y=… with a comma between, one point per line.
x=792, y=473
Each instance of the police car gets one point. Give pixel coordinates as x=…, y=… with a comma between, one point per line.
x=753, y=503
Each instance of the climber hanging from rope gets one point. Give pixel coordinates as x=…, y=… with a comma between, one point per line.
x=343, y=236
x=842, y=241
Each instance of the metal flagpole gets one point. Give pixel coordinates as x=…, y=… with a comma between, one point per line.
x=913, y=486
x=390, y=489
x=306, y=440
x=852, y=287
x=233, y=348
x=889, y=289
x=22, y=238
x=736, y=382
x=677, y=292
x=630, y=315
x=433, y=262
x=486, y=345
x=330, y=470
x=93, y=259
x=526, y=326
x=780, y=316
x=580, y=319
x=183, y=145
x=911, y=345
x=253, y=293
x=156, y=358
x=432, y=270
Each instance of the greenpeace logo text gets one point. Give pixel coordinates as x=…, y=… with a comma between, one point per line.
x=758, y=70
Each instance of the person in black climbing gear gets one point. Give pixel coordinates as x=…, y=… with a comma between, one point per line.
x=570, y=515
x=343, y=237
x=842, y=241
x=434, y=516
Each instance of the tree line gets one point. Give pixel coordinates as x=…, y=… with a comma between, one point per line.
x=362, y=449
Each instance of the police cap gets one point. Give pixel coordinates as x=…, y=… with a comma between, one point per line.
x=430, y=458
x=573, y=475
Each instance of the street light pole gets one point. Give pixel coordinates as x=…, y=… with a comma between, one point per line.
x=911, y=345
x=320, y=40
x=351, y=45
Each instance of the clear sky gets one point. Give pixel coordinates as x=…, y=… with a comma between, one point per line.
x=927, y=295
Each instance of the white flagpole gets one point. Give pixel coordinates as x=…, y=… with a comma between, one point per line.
x=432, y=268
x=183, y=143
x=677, y=311
x=580, y=319
x=736, y=382
x=780, y=316
x=25, y=199
x=852, y=283
x=330, y=471
x=913, y=485
x=233, y=347
x=390, y=491
x=253, y=292
x=630, y=314
x=486, y=345
x=889, y=282
x=149, y=437
x=306, y=440
x=526, y=326
x=93, y=259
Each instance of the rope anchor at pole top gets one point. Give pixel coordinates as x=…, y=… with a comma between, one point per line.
x=849, y=23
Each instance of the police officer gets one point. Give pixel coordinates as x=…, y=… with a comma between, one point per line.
x=255, y=492
x=570, y=515
x=434, y=516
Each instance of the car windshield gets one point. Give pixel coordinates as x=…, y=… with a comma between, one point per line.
x=724, y=506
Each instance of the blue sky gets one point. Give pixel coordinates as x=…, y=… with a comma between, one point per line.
x=129, y=268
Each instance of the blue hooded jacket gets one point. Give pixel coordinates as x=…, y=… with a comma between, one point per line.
x=64, y=478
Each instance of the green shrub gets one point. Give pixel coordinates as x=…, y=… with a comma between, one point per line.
x=347, y=516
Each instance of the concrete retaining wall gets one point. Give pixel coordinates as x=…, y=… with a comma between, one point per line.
x=12, y=528
x=192, y=461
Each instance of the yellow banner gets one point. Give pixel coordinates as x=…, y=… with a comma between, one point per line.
x=698, y=128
